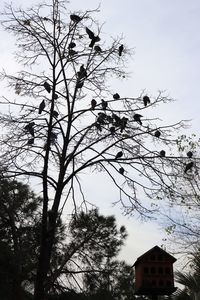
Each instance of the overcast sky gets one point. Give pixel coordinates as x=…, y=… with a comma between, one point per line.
x=166, y=40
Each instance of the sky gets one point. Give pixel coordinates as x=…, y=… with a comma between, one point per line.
x=166, y=42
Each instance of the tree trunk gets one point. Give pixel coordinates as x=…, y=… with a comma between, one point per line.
x=43, y=265
x=47, y=241
x=16, y=291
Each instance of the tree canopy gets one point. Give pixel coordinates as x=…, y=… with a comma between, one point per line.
x=86, y=248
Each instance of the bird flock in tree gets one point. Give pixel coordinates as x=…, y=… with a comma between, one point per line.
x=114, y=122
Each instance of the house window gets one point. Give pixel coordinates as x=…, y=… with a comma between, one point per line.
x=153, y=283
x=161, y=283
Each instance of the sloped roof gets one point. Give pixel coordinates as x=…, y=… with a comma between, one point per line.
x=143, y=256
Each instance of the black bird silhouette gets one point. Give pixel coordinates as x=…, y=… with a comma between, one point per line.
x=47, y=87
x=116, y=96
x=72, y=52
x=55, y=114
x=189, y=166
x=41, y=107
x=98, y=126
x=112, y=130
x=93, y=41
x=93, y=38
x=80, y=84
x=119, y=155
x=55, y=96
x=82, y=72
x=121, y=170
x=53, y=137
x=27, y=22
x=75, y=18
x=146, y=100
x=93, y=104
x=189, y=154
x=137, y=118
x=120, y=50
x=157, y=133
x=101, y=118
x=30, y=129
x=117, y=120
x=97, y=48
x=109, y=119
x=123, y=124
x=31, y=141
x=71, y=45
x=162, y=153
x=90, y=33
x=104, y=104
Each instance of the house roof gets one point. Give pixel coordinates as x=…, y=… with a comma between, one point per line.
x=143, y=256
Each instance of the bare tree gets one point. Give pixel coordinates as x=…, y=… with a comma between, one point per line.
x=63, y=119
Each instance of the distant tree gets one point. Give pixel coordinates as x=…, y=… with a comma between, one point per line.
x=92, y=242
x=64, y=120
x=190, y=280
x=183, y=209
x=88, y=262
x=6, y=271
x=116, y=281
x=19, y=236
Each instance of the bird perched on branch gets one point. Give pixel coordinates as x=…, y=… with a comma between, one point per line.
x=120, y=50
x=55, y=96
x=109, y=119
x=31, y=141
x=53, y=137
x=112, y=130
x=137, y=118
x=41, y=107
x=121, y=170
x=80, y=84
x=93, y=104
x=27, y=22
x=55, y=114
x=117, y=120
x=75, y=18
x=157, y=133
x=46, y=19
x=189, y=154
x=123, y=124
x=98, y=126
x=30, y=129
x=93, y=38
x=119, y=155
x=101, y=118
x=146, y=100
x=82, y=72
x=47, y=87
x=71, y=45
x=189, y=166
x=162, y=153
x=116, y=96
x=72, y=52
x=104, y=104
x=97, y=48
